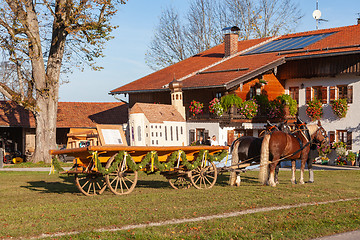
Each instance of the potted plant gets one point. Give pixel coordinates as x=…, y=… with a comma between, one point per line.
x=274, y=110
x=289, y=105
x=323, y=151
x=248, y=109
x=314, y=109
x=263, y=103
x=215, y=107
x=351, y=158
x=230, y=100
x=340, y=107
x=196, y=107
x=340, y=149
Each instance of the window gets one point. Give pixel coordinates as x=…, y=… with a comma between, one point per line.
x=318, y=92
x=139, y=133
x=218, y=95
x=294, y=93
x=177, y=133
x=342, y=91
x=165, y=133
x=345, y=137
x=345, y=92
x=191, y=136
x=171, y=133
x=181, y=130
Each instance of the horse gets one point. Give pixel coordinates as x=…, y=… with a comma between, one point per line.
x=247, y=148
x=287, y=146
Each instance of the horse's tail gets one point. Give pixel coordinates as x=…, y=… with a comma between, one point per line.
x=235, y=151
x=264, y=160
x=234, y=160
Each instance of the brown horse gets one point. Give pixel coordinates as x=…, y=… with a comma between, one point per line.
x=284, y=146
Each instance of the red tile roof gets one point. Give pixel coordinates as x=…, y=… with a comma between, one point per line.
x=157, y=113
x=212, y=61
x=181, y=69
x=70, y=114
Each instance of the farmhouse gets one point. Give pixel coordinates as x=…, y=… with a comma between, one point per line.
x=322, y=64
x=17, y=125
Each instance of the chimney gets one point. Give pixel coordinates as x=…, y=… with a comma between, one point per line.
x=231, y=39
x=177, y=96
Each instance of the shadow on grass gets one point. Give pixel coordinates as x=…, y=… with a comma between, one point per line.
x=65, y=186
x=152, y=184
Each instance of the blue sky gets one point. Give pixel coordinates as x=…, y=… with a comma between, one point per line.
x=124, y=56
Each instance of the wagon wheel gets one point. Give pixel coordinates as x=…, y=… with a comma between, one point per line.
x=204, y=176
x=90, y=184
x=180, y=182
x=122, y=180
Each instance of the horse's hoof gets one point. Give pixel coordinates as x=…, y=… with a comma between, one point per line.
x=302, y=183
x=310, y=182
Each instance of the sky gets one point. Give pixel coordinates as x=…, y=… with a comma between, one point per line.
x=124, y=59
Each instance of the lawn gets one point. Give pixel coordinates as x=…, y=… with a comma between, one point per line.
x=33, y=203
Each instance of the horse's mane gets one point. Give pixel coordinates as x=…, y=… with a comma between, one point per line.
x=312, y=128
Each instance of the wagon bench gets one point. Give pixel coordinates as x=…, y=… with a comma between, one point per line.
x=116, y=167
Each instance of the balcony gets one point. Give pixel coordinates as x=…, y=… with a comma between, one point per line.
x=234, y=116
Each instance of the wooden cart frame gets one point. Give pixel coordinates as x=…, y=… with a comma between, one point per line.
x=116, y=167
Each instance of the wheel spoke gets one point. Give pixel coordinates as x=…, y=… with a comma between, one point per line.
x=207, y=180
x=88, y=191
x=197, y=180
x=117, y=183
x=125, y=183
x=83, y=186
x=129, y=179
x=114, y=180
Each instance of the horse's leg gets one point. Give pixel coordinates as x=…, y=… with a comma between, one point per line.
x=311, y=170
x=277, y=174
x=238, y=179
x=272, y=173
x=293, y=170
x=303, y=161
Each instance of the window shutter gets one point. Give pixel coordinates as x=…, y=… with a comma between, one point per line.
x=308, y=94
x=332, y=93
x=349, y=94
x=349, y=140
x=332, y=136
x=191, y=135
x=324, y=95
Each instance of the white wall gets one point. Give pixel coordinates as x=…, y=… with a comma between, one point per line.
x=137, y=120
x=329, y=120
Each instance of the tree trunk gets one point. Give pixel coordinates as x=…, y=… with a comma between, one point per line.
x=45, y=129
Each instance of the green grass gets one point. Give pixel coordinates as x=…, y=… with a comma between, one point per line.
x=36, y=165
x=33, y=203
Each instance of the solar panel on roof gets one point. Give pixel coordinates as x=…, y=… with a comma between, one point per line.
x=289, y=43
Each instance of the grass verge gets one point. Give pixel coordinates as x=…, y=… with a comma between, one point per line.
x=33, y=203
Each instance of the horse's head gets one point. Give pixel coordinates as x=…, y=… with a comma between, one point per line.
x=318, y=133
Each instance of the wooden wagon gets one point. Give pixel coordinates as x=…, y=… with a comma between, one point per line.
x=116, y=167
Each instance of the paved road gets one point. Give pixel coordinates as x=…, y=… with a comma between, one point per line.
x=354, y=235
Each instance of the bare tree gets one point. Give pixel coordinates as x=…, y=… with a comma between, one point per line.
x=201, y=28
x=276, y=17
x=168, y=45
x=36, y=37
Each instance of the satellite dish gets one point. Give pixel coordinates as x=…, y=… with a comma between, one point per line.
x=316, y=14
